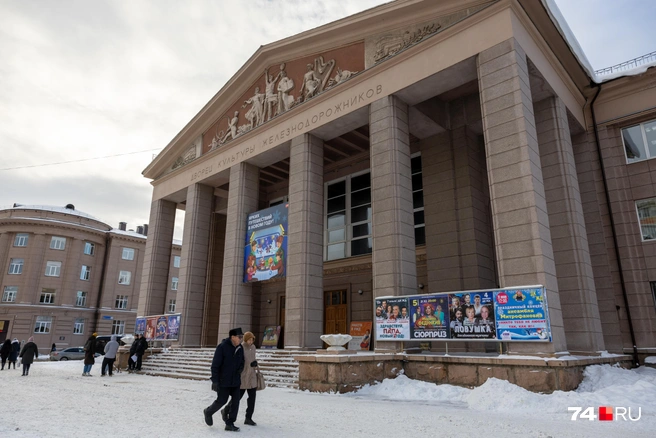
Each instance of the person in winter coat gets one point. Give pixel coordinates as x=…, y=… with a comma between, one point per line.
x=89, y=354
x=27, y=355
x=133, y=352
x=4, y=352
x=227, y=365
x=110, y=356
x=13, y=354
x=142, y=346
x=248, y=379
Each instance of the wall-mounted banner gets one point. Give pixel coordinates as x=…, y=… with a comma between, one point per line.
x=509, y=314
x=151, y=326
x=522, y=315
x=271, y=337
x=361, y=335
x=173, y=327
x=265, y=254
x=159, y=327
x=140, y=326
x=392, y=319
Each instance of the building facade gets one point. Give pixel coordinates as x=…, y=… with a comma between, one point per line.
x=421, y=146
x=67, y=274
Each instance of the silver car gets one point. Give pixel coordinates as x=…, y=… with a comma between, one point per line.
x=71, y=353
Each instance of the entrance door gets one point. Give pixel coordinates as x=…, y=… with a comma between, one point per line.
x=335, y=311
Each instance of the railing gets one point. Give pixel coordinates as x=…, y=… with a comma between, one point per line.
x=627, y=65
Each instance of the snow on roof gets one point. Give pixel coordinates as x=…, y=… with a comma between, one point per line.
x=127, y=233
x=54, y=209
x=635, y=71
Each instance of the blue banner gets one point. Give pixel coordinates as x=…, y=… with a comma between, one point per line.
x=521, y=315
x=265, y=252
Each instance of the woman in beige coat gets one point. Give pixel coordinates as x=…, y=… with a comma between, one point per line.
x=248, y=379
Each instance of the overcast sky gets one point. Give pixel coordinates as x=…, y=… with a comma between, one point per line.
x=87, y=78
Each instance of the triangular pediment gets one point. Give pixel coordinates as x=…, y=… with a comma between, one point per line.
x=283, y=76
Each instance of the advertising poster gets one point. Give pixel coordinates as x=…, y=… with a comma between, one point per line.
x=140, y=326
x=361, y=335
x=173, y=327
x=472, y=315
x=162, y=323
x=521, y=315
x=392, y=319
x=429, y=317
x=271, y=337
x=265, y=253
x=151, y=326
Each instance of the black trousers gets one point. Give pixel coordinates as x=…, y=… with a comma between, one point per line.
x=107, y=363
x=26, y=368
x=139, y=357
x=222, y=398
x=250, y=403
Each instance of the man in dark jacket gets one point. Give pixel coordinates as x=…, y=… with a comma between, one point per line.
x=227, y=365
x=133, y=352
x=142, y=346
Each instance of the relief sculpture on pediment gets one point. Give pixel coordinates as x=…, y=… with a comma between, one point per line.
x=283, y=87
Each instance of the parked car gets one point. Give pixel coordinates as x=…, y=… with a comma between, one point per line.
x=70, y=353
x=101, y=341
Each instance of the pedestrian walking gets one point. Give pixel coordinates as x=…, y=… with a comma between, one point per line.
x=248, y=379
x=53, y=348
x=13, y=355
x=110, y=356
x=133, y=353
x=227, y=365
x=29, y=352
x=89, y=354
x=5, y=350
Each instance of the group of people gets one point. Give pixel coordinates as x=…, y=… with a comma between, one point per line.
x=391, y=312
x=234, y=373
x=137, y=350
x=11, y=351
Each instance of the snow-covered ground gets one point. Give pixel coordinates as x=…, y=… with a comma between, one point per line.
x=56, y=401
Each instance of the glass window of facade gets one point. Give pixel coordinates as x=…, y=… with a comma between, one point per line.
x=121, y=302
x=172, y=306
x=58, y=243
x=118, y=327
x=53, y=269
x=81, y=299
x=647, y=218
x=9, y=294
x=128, y=254
x=47, y=296
x=21, y=239
x=174, y=283
x=176, y=261
x=43, y=324
x=418, y=200
x=124, y=277
x=16, y=266
x=78, y=327
x=640, y=141
x=89, y=248
x=85, y=273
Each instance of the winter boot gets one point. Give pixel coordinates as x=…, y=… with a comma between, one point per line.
x=250, y=422
x=231, y=428
x=208, y=418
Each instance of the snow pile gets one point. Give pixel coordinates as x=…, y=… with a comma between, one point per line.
x=404, y=388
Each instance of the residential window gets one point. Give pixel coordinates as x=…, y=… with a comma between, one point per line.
x=85, y=274
x=176, y=261
x=21, y=239
x=348, y=217
x=16, y=266
x=47, y=296
x=9, y=294
x=418, y=200
x=43, y=324
x=640, y=141
x=81, y=299
x=118, y=327
x=124, y=277
x=647, y=218
x=128, y=254
x=172, y=306
x=174, y=283
x=121, y=301
x=53, y=269
x=89, y=248
x=58, y=243
x=78, y=327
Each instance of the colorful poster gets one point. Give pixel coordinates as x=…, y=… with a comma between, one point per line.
x=521, y=314
x=271, y=337
x=140, y=326
x=429, y=317
x=472, y=315
x=392, y=319
x=173, y=327
x=361, y=335
x=151, y=325
x=162, y=323
x=265, y=253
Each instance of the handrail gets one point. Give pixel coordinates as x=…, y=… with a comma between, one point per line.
x=627, y=65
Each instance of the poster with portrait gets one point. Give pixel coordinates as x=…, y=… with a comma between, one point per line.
x=160, y=331
x=265, y=252
x=429, y=317
x=393, y=323
x=271, y=337
x=151, y=327
x=173, y=327
x=360, y=332
x=472, y=315
x=521, y=314
x=140, y=326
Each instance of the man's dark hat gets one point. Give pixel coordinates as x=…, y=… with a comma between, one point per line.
x=236, y=332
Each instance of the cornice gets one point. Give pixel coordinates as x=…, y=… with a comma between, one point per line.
x=38, y=222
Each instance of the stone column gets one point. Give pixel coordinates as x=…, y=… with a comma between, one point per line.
x=304, y=292
x=157, y=257
x=576, y=286
x=193, y=263
x=236, y=296
x=519, y=208
x=213, y=295
x=394, y=266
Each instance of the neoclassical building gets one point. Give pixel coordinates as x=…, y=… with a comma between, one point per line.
x=67, y=274
x=421, y=146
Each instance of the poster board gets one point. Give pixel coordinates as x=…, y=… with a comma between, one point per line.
x=265, y=251
x=271, y=337
x=360, y=332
